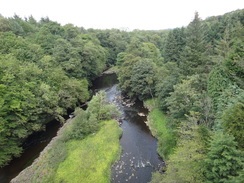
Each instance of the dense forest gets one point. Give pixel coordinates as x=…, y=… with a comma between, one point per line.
x=193, y=76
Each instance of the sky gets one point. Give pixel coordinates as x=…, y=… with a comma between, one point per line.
x=120, y=14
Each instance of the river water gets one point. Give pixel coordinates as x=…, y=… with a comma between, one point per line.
x=139, y=156
x=34, y=145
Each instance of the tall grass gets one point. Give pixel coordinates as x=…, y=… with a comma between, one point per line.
x=90, y=160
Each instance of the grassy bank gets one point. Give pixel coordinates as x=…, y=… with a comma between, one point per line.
x=90, y=160
x=161, y=129
x=87, y=160
x=83, y=151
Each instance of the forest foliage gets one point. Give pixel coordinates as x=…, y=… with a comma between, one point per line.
x=194, y=72
x=197, y=77
x=45, y=70
x=88, y=142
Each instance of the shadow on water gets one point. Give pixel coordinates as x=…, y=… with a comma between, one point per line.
x=34, y=145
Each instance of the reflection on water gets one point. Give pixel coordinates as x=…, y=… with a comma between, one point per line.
x=36, y=143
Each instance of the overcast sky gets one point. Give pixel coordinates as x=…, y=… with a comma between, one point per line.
x=132, y=14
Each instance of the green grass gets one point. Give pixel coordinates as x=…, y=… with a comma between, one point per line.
x=161, y=129
x=114, y=68
x=89, y=160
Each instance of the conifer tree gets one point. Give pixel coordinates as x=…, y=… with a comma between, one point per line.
x=223, y=160
x=193, y=58
x=174, y=45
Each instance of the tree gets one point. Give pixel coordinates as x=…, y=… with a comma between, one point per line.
x=185, y=97
x=193, y=59
x=93, y=59
x=70, y=31
x=100, y=109
x=234, y=62
x=47, y=35
x=4, y=24
x=120, y=58
x=174, y=46
x=137, y=67
x=21, y=27
x=167, y=77
x=233, y=122
x=143, y=79
x=218, y=80
x=115, y=41
x=19, y=47
x=125, y=73
x=223, y=159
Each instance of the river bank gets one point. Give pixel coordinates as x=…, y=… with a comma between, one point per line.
x=90, y=158
x=160, y=127
x=27, y=174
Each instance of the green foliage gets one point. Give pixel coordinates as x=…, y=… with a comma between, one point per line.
x=92, y=157
x=81, y=126
x=174, y=45
x=218, y=80
x=233, y=122
x=70, y=31
x=93, y=59
x=47, y=36
x=125, y=73
x=143, y=79
x=186, y=164
x=162, y=129
x=101, y=109
x=120, y=59
x=223, y=160
x=137, y=73
x=87, y=122
x=234, y=62
x=193, y=59
x=168, y=76
x=115, y=41
x=4, y=24
x=83, y=138
x=19, y=47
x=45, y=68
x=44, y=71
x=144, y=50
x=230, y=96
x=184, y=98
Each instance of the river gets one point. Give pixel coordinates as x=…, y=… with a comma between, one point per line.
x=139, y=156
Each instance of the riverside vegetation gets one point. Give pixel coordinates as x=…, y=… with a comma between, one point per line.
x=194, y=75
x=194, y=80
x=88, y=145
